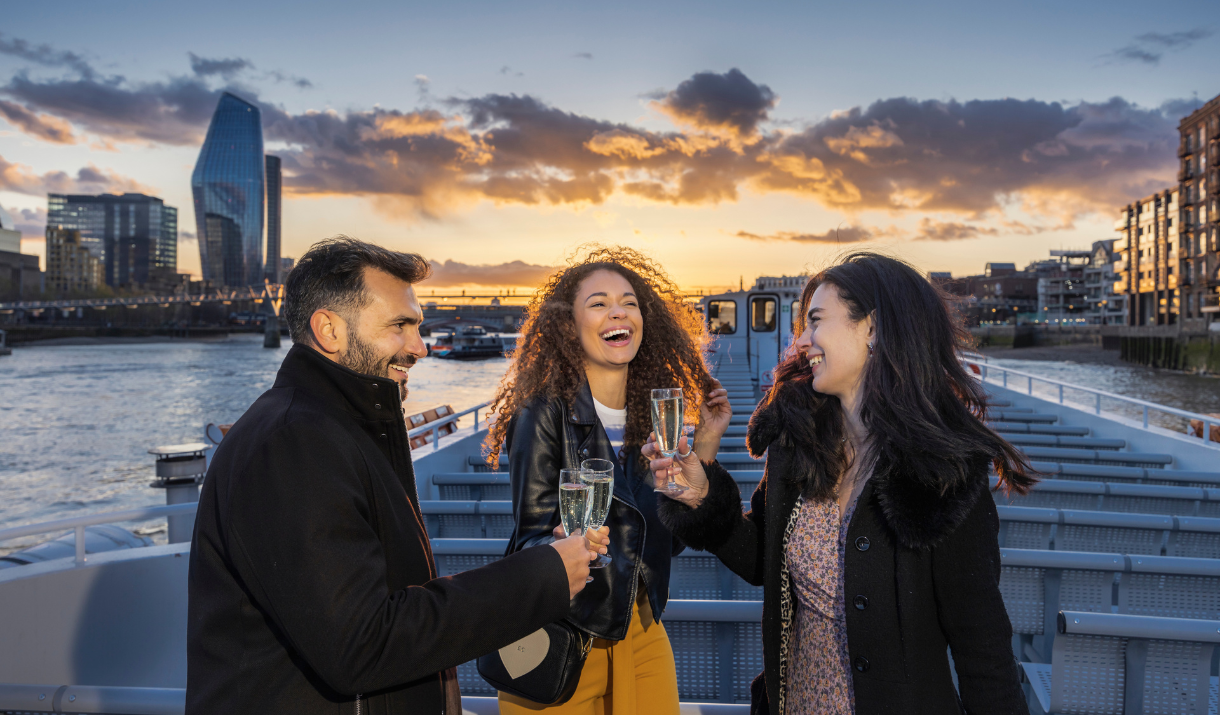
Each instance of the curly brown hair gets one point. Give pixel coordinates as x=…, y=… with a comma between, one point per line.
x=549, y=361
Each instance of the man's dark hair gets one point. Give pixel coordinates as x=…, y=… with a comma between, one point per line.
x=331, y=276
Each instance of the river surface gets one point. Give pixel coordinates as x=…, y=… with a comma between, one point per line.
x=76, y=421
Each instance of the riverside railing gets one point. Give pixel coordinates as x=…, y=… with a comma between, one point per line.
x=433, y=427
x=1002, y=375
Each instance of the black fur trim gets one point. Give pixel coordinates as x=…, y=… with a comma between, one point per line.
x=707, y=527
x=918, y=514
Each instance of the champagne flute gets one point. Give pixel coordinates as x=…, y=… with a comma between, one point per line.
x=668, y=410
x=599, y=475
x=574, y=502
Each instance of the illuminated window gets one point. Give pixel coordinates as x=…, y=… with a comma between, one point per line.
x=762, y=315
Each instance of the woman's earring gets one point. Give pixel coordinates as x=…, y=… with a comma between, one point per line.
x=870, y=347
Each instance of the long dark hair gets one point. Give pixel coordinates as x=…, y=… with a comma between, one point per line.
x=917, y=401
x=550, y=360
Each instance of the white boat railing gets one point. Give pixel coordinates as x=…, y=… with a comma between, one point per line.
x=433, y=427
x=985, y=370
x=78, y=523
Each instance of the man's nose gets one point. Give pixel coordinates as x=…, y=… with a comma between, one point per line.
x=415, y=346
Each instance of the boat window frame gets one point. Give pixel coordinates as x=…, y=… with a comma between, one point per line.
x=774, y=324
x=719, y=330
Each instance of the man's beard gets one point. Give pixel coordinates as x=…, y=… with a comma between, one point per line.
x=360, y=357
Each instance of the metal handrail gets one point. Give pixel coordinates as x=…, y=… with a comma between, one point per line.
x=78, y=523
x=433, y=427
x=985, y=368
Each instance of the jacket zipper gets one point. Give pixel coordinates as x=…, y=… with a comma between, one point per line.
x=358, y=709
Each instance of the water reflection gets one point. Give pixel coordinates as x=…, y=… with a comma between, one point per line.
x=77, y=421
x=1193, y=393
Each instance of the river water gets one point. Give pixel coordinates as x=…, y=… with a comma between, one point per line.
x=76, y=421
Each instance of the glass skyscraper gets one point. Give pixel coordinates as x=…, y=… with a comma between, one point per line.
x=273, y=218
x=133, y=235
x=227, y=186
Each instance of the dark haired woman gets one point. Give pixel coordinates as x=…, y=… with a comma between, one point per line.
x=599, y=336
x=872, y=532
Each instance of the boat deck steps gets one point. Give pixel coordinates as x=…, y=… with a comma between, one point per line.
x=1013, y=416
x=1116, y=496
x=1095, y=456
x=1053, y=440
x=1071, y=471
x=1037, y=428
x=1080, y=530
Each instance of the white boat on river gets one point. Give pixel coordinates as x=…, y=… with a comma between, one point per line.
x=1111, y=571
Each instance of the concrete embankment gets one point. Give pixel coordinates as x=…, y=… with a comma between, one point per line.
x=1161, y=347
x=21, y=335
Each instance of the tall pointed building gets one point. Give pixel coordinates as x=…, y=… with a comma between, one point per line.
x=228, y=189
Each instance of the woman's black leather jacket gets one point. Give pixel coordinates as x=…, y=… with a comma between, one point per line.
x=547, y=436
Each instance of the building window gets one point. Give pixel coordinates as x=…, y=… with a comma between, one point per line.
x=722, y=317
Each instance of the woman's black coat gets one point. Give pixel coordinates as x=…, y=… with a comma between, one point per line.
x=921, y=574
x=548, y=435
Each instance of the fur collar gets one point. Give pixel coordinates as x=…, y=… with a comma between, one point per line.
x=914, y=509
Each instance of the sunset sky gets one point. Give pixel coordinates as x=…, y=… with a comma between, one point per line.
x=727, y=140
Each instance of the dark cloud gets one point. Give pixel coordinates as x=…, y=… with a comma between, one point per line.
x=282, y=78
x=88, y=180
x=506, y=70
x=50, y=129
x=973, y=157
x=515, y=273
x=1150, y=47
x=45, y=55
x=969, y=158
x=729, y=101
x=930, y=230
x=227, y=68
x=845, y=234
x=32, y=223
x=583, y=55
x=172, y=112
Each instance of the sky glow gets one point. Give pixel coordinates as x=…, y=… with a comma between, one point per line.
x=727, y=141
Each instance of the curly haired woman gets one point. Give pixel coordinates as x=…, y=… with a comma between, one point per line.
x=872, y=532
x=599, y=337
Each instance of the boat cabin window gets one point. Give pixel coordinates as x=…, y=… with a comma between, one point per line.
x=762, y=315
x=722, y=317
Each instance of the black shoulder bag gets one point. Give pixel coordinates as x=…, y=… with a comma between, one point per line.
x=545, y=665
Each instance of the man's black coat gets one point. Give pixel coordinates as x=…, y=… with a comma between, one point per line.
x=312, y=582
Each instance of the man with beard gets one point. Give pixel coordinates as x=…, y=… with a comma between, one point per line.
x=312, y=583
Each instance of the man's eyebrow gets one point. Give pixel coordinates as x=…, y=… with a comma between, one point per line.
x=406, y=319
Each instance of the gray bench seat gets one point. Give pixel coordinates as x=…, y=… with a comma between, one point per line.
x=1138, y=475
x=1116, y=496
x=1077, y=530
x=1054, y=440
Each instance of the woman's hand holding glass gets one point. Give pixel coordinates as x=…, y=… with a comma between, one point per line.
x=715, y=414
x=688, y=471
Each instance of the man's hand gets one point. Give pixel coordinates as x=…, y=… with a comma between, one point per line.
x=576, y=557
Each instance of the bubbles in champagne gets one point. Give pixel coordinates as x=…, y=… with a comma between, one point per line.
x=574, y=507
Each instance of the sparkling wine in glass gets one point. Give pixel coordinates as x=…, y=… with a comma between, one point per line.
x=599, y=475
x=668, y=409
x=574, y=501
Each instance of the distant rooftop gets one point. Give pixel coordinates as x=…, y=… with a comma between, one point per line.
x=6, y=221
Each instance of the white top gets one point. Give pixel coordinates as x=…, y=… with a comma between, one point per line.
x=614, y=421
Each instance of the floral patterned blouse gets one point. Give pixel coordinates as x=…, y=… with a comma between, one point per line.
x=819, y=669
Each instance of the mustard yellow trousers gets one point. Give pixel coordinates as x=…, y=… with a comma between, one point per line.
x=629, y=677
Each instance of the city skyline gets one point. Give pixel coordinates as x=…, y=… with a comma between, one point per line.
x=949, y=142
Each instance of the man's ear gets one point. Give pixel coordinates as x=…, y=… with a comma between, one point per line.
x=329, y=331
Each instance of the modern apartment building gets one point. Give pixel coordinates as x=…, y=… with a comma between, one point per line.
x=132, y=236
x=1199, y=231
x=1147, y=266
x=71, y=266
x=228, y=190
x=1104, y=306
